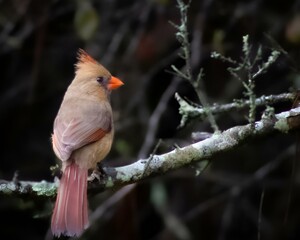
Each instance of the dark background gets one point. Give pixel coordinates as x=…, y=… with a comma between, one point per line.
x=135, y=41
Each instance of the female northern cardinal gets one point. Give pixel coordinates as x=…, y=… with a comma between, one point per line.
x=82, y=136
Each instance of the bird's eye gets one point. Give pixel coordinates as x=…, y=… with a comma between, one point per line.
x=100, y=80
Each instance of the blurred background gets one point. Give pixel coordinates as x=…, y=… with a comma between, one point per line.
x=250, y=193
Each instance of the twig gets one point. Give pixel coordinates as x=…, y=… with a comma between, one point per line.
x=155, y=117
x=111, y=201
x=152, y=155
x=252, y=67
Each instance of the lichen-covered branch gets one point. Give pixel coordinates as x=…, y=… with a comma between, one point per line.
x=178, y=158
x=15, y=187
x=182, y=36
x=189, y=111
x=253, y=67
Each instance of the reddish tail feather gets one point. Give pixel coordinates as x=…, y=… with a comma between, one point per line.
x=70, y=214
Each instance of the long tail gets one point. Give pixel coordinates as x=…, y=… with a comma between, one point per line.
x=70, y=214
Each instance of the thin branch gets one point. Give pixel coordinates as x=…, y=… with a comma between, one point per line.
x=110, y=202
x=178, y=158
x=189, y=111
x=156, y=116
x=182, y=36
x=252, y=67
x=234, y=186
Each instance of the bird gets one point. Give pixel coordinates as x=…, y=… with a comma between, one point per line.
x=82, y=136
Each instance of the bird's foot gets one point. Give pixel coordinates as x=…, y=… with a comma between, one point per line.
x=97, y=174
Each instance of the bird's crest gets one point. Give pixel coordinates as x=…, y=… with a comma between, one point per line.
x=84, y=59
x=87, y=64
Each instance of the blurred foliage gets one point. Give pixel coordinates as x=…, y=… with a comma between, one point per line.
x=86, y=20
x=135, y=41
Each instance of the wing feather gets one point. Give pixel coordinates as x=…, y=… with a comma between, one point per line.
x=78, y=127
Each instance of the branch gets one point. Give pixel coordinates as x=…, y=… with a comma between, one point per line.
x=188, y=111
x=178, y=158
x=182, y=36
x=252, y=67
x=15, y=187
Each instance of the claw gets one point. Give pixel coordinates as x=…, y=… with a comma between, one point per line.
x=97, y=174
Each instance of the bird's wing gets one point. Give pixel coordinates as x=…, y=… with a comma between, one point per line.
x=80, y=128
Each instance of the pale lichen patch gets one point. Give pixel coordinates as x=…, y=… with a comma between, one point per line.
x=44, y=188
x=8, y=188
x=282, y=125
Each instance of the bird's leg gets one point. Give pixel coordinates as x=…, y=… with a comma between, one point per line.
x=97, y=173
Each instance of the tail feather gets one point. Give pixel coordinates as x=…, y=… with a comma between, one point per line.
x=70, y=214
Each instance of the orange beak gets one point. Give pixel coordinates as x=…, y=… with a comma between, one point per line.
x=114, y=83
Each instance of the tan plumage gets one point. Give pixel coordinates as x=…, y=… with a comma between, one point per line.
x=82, y=136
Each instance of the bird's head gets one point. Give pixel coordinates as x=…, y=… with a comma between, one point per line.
x=89, y=71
